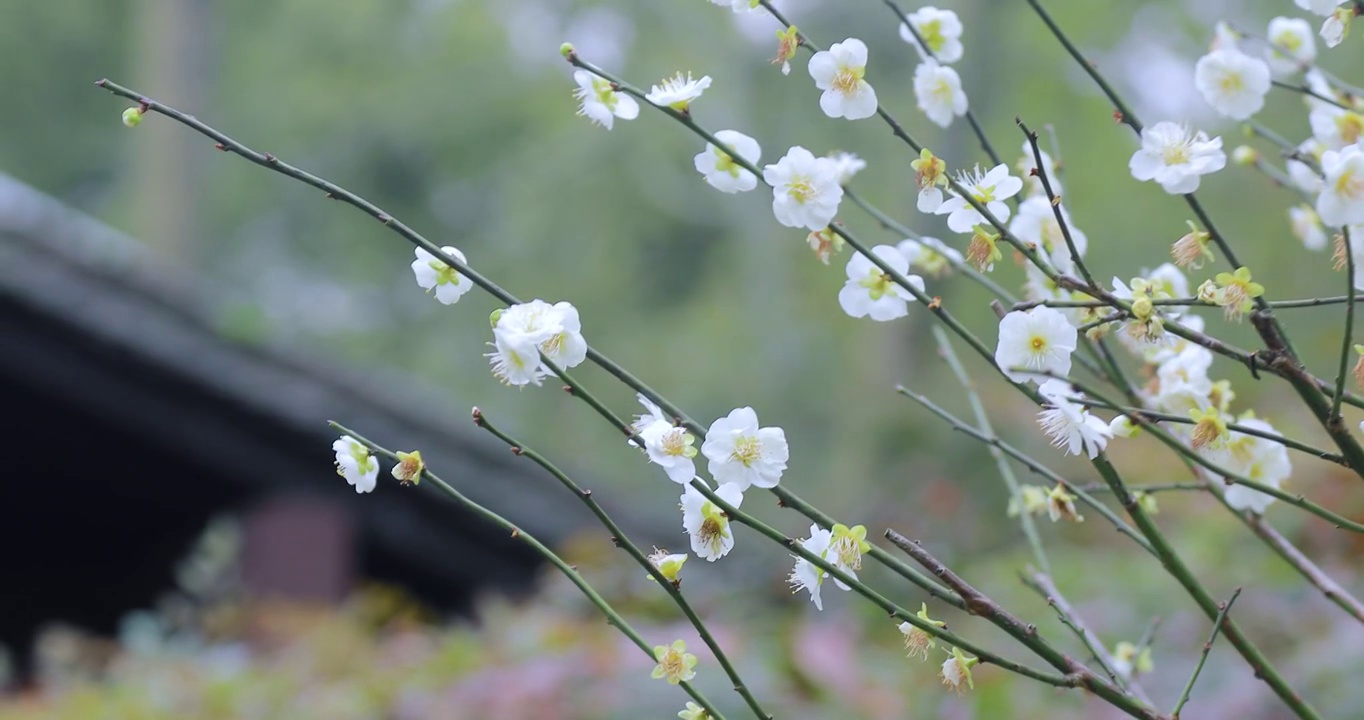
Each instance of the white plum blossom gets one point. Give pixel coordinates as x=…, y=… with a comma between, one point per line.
x=1302, y=174
x=708, y=525
x=1039, y=340
x=806, y=575
x=1233, y=83
x=1036, y=223
x=871, y=292
x=432, y=274
x=1168, y=281
x=839, y=72
x=990, y=189
x=677, y=91
x=1184, y=384
x=1293, y=35
x=937, y=88
x=719, y=167
x=522, y=332
x=1336, y=26
x=1257, y=459
x=355, y=463
x=848, y=166
x=1307, y=227
x=1176, y=157
x=930, y=255
x=805, y=189
x=515, y=359
x=941, y=31
x=956, y=671
x=600, y=102
x=1318, y=7
x=1069, y=424
x=668, y=446
x=742, y=454
x=1335, y=128
x=1341, y=201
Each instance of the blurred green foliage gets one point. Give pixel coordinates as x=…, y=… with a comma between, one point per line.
x=457, y=116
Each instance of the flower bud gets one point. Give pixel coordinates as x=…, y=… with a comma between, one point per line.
x=132, y=117
x=1245, y=155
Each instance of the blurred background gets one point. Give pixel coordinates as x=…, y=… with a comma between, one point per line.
x=180, y=325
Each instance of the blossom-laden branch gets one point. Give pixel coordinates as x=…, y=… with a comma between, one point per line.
x=1229, y=476
x=897, y=129
x=979, y=604
x=892, y=609
x=612, y=616
x=1224, y=610
x=1185, y=302
x=1256, y=362
x=669, y=581
x=336, y=192
x=926, y=47
x=1231, y=426
x=1271, y=332
x=785, y=498
x=957, y=263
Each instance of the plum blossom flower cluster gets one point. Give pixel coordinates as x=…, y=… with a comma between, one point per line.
x=1064, y=322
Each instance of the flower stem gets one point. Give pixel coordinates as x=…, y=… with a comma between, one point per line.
x=1046, y=587
x=1040, y=172
x=1225, y=609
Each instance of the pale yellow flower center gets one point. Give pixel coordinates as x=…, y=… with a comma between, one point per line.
x=725, y=163
x=673, y=665
x=1231, y=83
x=847, y=80
x=932, y=35
x=1350, y=185
x=675, y=442
x=747, y=450
x=877, y=284
x=1176, y=154
x=801, y=189
x=1351, y=125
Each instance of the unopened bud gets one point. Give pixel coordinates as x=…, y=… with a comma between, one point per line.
x=132, y=117
x=1245, y=155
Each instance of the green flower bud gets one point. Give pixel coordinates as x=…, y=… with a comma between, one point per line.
x=132, y=117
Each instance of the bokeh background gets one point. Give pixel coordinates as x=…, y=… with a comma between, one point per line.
x=457, y=116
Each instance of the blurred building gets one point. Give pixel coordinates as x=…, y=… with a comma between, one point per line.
x=129, y=421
